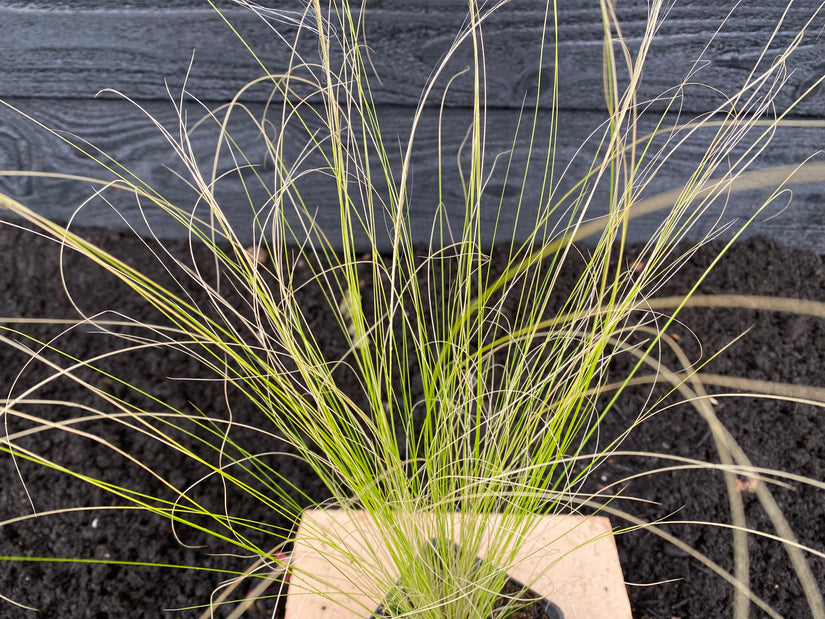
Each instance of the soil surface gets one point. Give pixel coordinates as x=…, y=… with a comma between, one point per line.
x=664, y=582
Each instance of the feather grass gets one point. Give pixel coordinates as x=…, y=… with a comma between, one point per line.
x=513, y=377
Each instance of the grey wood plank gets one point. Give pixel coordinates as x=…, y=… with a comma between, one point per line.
x=119, y=129
x=50, y=51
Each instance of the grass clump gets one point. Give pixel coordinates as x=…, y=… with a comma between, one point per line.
x=512, y=373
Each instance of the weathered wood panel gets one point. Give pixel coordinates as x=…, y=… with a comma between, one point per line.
x=58, y=49
x=55, y=54
x=121, y=131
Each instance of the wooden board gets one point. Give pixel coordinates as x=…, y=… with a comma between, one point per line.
x=55, y=54
x=571, y=560
x=59, y=49
x=124, y=133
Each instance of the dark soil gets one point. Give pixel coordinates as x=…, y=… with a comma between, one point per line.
x=775, y=434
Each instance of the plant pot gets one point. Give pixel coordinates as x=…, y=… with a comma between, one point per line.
x=336, y=551
x=534, y=605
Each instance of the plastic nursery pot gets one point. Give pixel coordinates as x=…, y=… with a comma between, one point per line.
x=336, y=552
x=533, y=605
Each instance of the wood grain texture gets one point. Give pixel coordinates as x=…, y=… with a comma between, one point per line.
x=56, y=54
x=56, y=49
x=121, y=131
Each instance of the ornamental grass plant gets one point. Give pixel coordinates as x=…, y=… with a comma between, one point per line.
x=512, y=373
